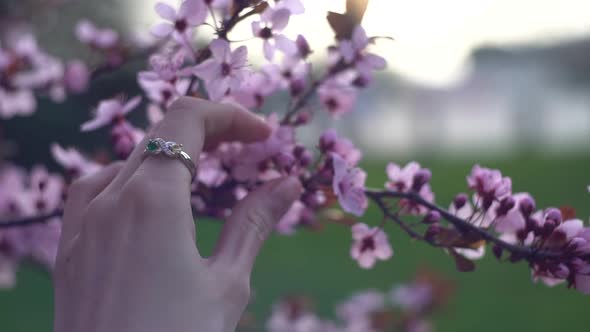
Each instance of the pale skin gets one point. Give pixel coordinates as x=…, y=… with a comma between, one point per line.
x=127, y=259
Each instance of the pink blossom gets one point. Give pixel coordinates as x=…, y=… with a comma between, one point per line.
x=337, y=94
x=411, y=207
x=293, y=6
x=17, y=102
x=291, y=73
x=361, y=305
x=254, y=162
x=286, y=318
x=401, y=179
x=76, y=76
x=125, y=137
x=191, y=13
x=164, y=92
x=45, y=190
x=109, y=111
x=73, y=161
x=415, y=297
x=166, y=67
x=353, y=52
x=369, y=245
x=154, y=114
x=489, y=184
x=211, y=172
x=269, y=29
x=254, y=89
x=224, y=71
x=291, y=219
x=512, y=220
x=88, y=33
x=330, y=141
x=349, y=185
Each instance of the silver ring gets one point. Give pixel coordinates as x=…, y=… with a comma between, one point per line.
x=155, y=146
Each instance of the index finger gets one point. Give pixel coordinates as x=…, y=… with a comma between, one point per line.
x=194, y=123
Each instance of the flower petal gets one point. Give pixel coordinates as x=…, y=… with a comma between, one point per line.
x=280, y=19
x=162, y=30
x=165, y=11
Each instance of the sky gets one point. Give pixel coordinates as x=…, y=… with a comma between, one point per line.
x=434, y=38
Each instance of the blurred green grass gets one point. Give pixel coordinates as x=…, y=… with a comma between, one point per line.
x=497, y=296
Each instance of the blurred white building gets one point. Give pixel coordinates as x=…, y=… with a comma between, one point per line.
x=536, y=97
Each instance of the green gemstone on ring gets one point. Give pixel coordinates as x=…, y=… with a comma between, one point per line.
x=152, y=146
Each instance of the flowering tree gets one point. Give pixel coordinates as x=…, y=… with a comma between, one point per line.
x=554, y=244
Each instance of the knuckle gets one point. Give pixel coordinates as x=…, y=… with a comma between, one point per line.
x=259, y=222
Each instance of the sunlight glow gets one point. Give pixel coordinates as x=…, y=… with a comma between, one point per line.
x=434, y=38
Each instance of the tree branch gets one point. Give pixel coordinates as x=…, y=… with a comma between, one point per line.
x=528, y=253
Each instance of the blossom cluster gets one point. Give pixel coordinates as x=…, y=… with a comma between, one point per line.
x=556, y=246
x=407, y=307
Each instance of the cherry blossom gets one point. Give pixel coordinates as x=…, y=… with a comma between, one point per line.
x=555, y=245
x=254, y=90
x=370, y=245
x=291, y=219
x=224, y=71
x=109, y=111
x=291, y=74
x=360, y=306
x=413, y=297
x=73, y=161
x=489, y=184
x=289, y=316
x=76, y=76
x=401, y=179
x=17, y=102
x=338, y=95
x=331, y=142
x=164, y=92
x=190, y=14
x=89, y=33
x=269, y=29
x=349, y=186
x=353, y=52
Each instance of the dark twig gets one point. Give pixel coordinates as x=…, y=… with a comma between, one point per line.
x=528, y=253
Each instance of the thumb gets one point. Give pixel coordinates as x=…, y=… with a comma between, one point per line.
x=252, y=221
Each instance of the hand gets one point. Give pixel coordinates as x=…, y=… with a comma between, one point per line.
x=127, y=259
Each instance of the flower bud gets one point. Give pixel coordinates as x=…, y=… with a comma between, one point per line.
x=305, y=158
x=526, y=206
x=302, y=118
x=561, y=271
x=506, y=204
x=284, y=160
x=421, y=178
x=432, y=232
x=554, y=215
x=431, y=217
x=328, y=140
x=298, y=151
x=460, y=201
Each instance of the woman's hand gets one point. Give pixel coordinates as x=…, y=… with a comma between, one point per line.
x=127, y=259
